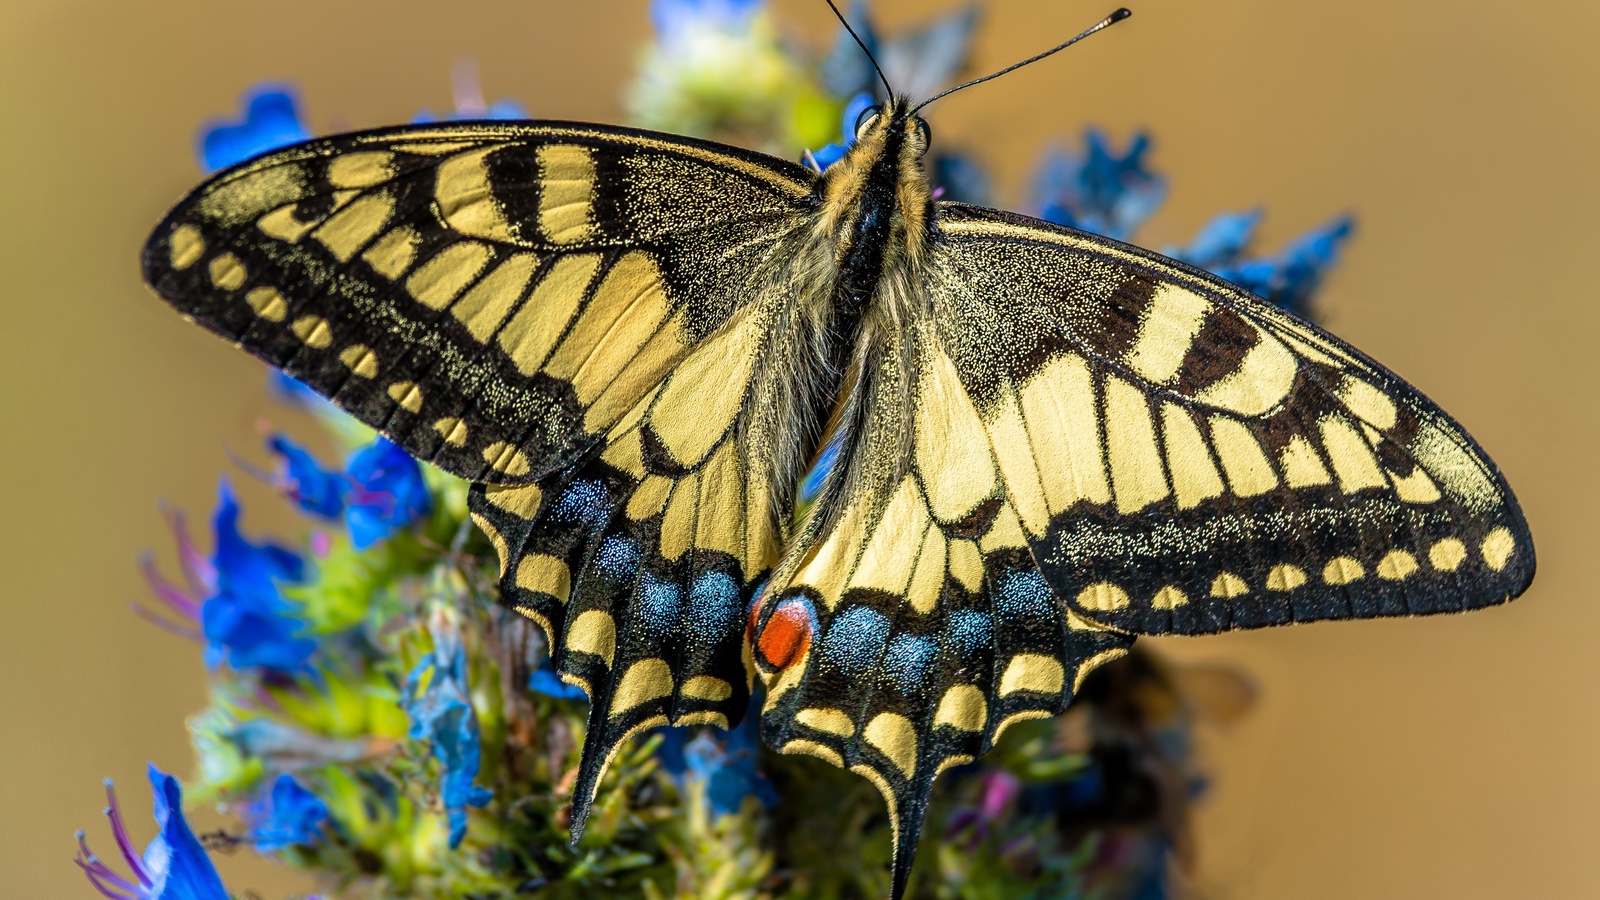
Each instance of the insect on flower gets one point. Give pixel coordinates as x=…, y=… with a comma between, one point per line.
x=1045, y=442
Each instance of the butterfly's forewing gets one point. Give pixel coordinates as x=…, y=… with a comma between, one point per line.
x=571, y=314
x=1185, y=458
x=494, y=297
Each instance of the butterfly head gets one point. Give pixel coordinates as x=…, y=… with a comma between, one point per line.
x=877, y=199
x=893, y=123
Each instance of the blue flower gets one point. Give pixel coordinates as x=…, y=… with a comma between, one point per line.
x=672, y=18
x=1099, y=191
x=544, y=680
x=919, y=62
x=250, y=635
x=725, y=762
x=245, y=569
x=1221, y=242
x=832, y=153
x=288, y=814
x=388, y=492
x=380, y=492
x=1286, y=280
x=247, y=622
x=436, y=699
x=469, y=100
x=271, y=120
x=302, y=479
x=1289, y=279
x=174, y=865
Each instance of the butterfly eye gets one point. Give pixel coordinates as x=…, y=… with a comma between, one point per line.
x=865, y=120
x=924, y=134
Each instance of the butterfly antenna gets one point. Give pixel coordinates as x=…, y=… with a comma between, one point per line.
x=888, y=91
x=1107, y=22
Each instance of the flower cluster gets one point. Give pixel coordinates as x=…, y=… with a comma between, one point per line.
x=375, y=718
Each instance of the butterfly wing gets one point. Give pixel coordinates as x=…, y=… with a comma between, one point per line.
x=1071, y=442
x=493, y=297
x=640, y=561
x=581, y=317
x=908, y=624
x=1185, y=458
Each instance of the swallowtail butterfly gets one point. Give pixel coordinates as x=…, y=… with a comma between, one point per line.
x=634, y=345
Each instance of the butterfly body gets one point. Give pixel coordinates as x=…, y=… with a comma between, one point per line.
x=1044, y=442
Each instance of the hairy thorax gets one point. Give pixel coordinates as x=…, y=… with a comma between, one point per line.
x=851, y=279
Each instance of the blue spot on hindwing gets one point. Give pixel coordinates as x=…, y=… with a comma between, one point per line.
x=714, y=606
x=618, y=557
x=969, y=632
x=660, y=604
x=907, y=661
x=585, y=502
x=855, y=640
x=1022, y=595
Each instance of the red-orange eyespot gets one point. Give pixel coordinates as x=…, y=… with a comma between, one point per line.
x=787, y=634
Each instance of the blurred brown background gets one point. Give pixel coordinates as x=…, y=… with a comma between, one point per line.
x=1449, y=757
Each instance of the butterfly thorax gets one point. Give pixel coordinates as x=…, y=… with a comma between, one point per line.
x=874, y=205
x=869, y=233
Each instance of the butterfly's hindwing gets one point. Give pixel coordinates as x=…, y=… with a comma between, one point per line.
x=492, y=297
x=1186, y=459
x=641, y=578
x=915, y=627
x=640, y=561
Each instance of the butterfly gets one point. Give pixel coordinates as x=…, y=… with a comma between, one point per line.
x=1044, y=443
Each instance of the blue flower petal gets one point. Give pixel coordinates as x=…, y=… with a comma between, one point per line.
x=442, y=714
x=245, y=569
x=544, y=680
x=389, y=493
x=725, y=761
x=314, y=489
x=1099, y=190
x=271, y=120
x=1220, y=242
x=250, y=635
x=829, y=154
x=176, y=861
x=289, y=814
x=1289, y=279
x=247, y=622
